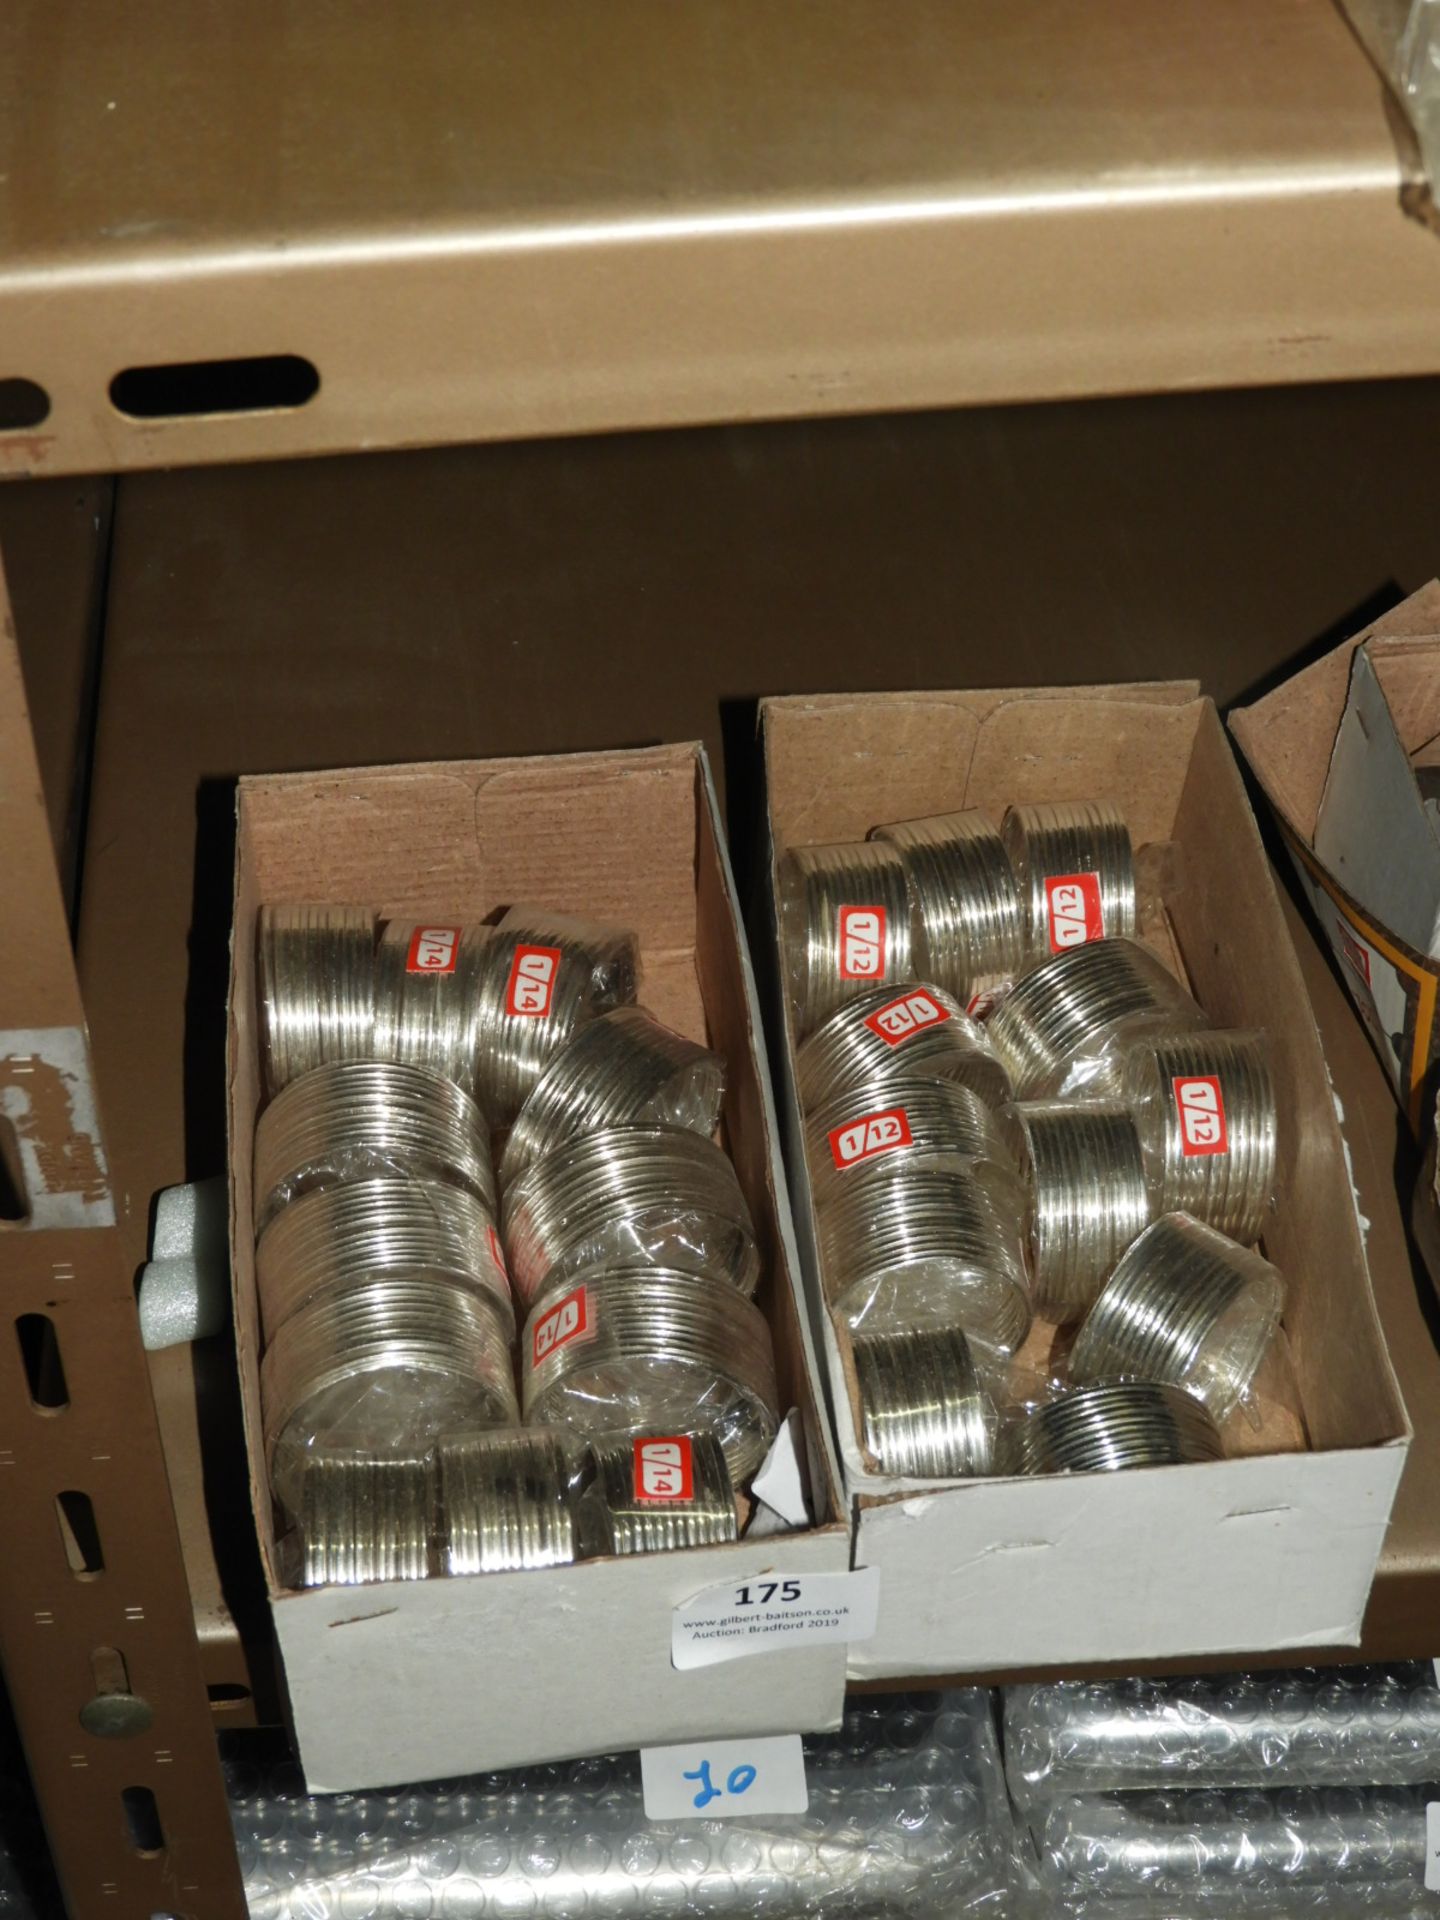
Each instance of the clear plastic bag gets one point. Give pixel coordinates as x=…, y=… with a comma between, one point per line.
x=1335, y=1726
x=1325, y=1850
x=654, y=1352
x=629, y=1197
x=845, y=925
x=907, y=1815
x=624, y=1068
x=366, y=1120
x=929, y=1246
x=1067, y=1026
x=967, y=925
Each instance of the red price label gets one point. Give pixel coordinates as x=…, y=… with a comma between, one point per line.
x=1073, y=910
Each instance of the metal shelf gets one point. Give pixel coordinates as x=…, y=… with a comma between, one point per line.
x=532, y=219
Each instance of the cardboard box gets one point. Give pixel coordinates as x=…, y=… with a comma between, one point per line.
x=1346, y=753
x=1271, y=1550
x=411, y=1680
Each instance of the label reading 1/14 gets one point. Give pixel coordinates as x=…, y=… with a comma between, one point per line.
x=774, y=1609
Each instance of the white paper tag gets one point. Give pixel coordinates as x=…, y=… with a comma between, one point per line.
x=1432, y=1846
x=735, y=1619
x=723, y=1779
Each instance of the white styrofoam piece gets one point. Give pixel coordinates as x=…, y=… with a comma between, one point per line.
x=375, y=1673
x=191, y=1221
x=182, y=1299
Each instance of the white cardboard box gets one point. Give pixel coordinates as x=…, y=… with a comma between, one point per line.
x=1346, y=753
x=1249, y=1554
x=418, y=1679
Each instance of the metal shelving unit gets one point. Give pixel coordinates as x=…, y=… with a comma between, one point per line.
x=548, y=220
x=548, y=223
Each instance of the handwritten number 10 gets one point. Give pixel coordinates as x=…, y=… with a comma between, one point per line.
x=767, y=1590
x=739, y=1780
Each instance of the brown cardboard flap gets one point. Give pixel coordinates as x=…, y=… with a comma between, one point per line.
x=842, y=764
x=1311, y=1234
x=1085, y=747
x=1287, y=737
x=1409, y=673
x=490, y=837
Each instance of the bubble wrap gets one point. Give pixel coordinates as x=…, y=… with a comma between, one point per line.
x=907, y=1816
x=1341, y=1851
x=1338, y=1726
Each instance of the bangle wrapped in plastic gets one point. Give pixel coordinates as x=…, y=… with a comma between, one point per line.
x=427, y=997
x=507, y=1500
x=1066, y=1027
x=1087, y=1197
x=363, y=1120
x=325, y=1241
x=384, y=1367
x=845, y=925
x=912, y=1033
x=656, y=1493
x=315, y=987
x=967, y=928
x=889, y=1124
x=1187, y=1307
x=928, y=1247
x=1204, y=1105
x=926, y=1411
x=1075, y=872
x=622, y=1069
x=1109, y=1429
x=653, y=1352
x=629, y=1196
x=544, y=975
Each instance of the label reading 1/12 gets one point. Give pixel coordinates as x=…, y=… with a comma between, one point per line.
x=862, y=943
x=900, y=1020
x=1074, y=911
x=774, y=1609
x=718, y=1779
x=871, y=1134
x=1200, y=1110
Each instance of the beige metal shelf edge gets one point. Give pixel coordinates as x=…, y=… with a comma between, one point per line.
x=531, y=218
